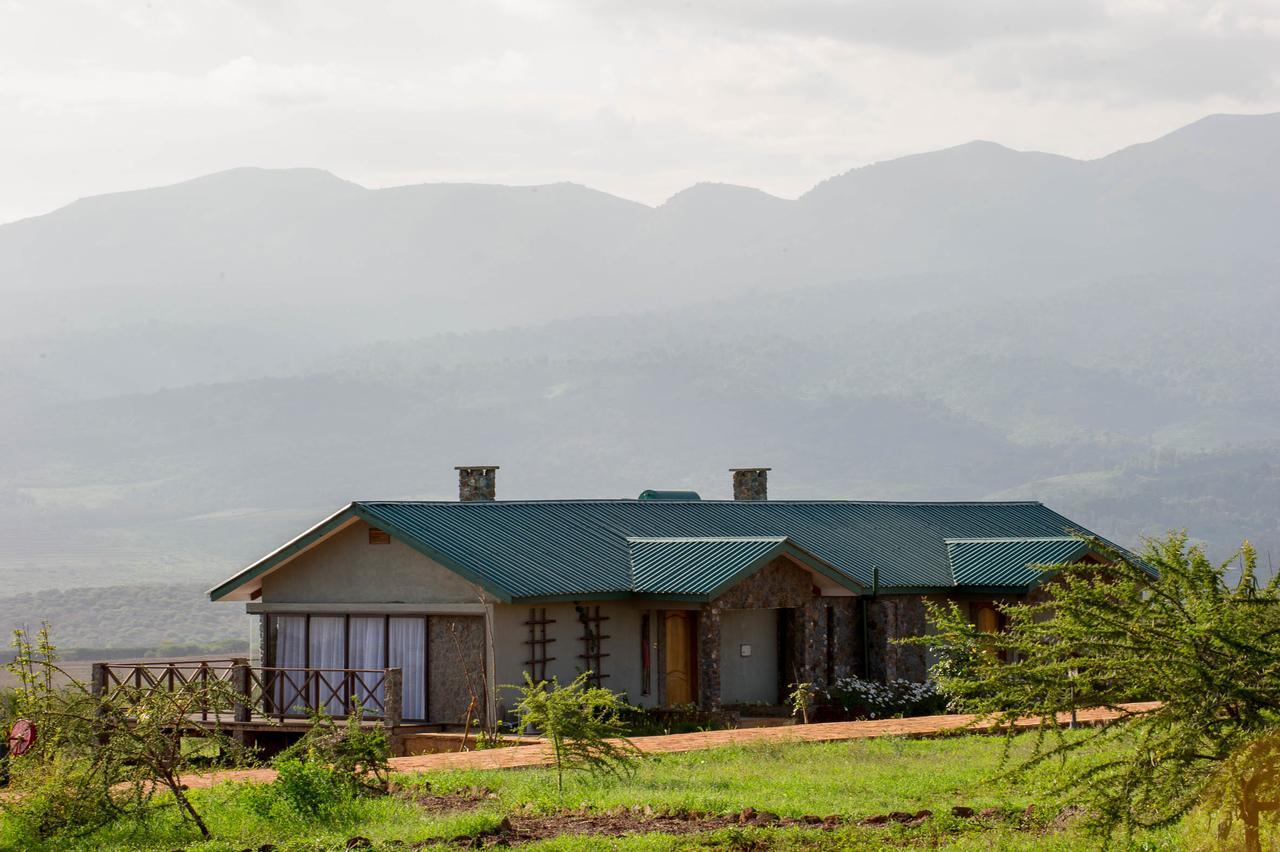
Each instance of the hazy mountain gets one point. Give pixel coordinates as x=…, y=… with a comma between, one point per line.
x=193, y=373
x=258, y=247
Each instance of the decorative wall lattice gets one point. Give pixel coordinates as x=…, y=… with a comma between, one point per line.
x=538, y=642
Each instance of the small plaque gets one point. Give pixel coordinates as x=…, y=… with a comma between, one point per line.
x=744, y=650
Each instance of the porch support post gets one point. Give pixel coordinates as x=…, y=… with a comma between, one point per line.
x=392, y=697
x=709, y=656
x=240, y=683
x=98, y=685
x=814, y=613
x=490, y=668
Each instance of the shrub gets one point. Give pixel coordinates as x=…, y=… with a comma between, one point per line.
x=874, y=700
x=584, y=724
x=309, y=788
x=321, y=775
x=357, y=755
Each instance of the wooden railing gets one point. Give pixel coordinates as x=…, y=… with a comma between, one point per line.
x=266, y=692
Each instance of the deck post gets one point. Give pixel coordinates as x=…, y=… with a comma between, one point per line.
x=240, y=683
x=98, y=686
x=392, y=697
x=98, y=682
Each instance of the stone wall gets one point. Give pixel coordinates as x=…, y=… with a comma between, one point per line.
x=782, y=584
x=456, y=667
x=892, y=617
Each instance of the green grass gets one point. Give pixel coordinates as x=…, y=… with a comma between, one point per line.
x=855, y=780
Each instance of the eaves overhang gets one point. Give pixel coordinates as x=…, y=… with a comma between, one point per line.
x=243, y=584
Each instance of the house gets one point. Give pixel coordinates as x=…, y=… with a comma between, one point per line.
x=668, y=598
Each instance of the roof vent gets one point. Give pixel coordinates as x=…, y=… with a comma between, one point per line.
x=651, y=494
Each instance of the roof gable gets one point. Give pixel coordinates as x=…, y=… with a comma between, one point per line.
x=995, y=562
x=705, y=568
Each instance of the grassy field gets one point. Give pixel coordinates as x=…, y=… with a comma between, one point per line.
x=853, y=780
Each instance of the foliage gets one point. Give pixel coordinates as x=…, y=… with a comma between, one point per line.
x=309, y=788
x=1206, y=650
x=103, y=757
x=583, y=723
x=357, y=755
x=801, y=699
x=874, y=700
x=1245, y=795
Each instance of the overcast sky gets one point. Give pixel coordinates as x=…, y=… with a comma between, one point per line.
x=636, y=97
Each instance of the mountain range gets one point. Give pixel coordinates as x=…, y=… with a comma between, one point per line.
x=194, y=373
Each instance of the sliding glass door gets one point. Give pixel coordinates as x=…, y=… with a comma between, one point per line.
x=336, y=648
x=408, y=651
x=327, y=647
x=367, y=650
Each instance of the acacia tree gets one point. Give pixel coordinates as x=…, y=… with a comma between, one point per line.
x=1168, y=629
x=105, y=756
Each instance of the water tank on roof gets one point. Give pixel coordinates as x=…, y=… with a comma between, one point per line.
x=651, y=494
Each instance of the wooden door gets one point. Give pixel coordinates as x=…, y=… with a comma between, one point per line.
x=680, y=658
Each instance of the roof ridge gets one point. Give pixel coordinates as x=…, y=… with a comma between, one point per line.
x=677, y=539
x=1011, y=538
x=704, y=502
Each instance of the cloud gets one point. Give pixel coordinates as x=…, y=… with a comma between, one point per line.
x=1180, y=51
x=1114, y=50
x=899, y=24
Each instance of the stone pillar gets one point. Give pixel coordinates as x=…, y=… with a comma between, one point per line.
x=847, y=634
x=709, y=657
x=392, y=697
x=814, y=617
x=751, y=483
x=477, y=483
x=891, y=618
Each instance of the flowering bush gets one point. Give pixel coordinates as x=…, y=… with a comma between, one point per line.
x=876, y=700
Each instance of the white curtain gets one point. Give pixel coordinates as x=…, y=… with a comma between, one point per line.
x=367, y=651
x=408, y=651
x=328, y=645
x=290, y=652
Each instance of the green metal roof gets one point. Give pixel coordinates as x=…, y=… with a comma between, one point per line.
x=706, y=567
x=1008, y=561
x=578, y=549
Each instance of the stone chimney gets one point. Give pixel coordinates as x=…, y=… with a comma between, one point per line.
x=751, y=483
x=477, y=483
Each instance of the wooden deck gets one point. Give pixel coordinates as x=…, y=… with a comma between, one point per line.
x=270, y=706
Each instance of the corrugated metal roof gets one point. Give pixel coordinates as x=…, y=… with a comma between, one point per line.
x=701, y=567
x=580, y=548
x=694, y=566
x=1008, y=561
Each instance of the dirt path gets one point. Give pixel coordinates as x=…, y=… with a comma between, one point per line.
x=539, y=755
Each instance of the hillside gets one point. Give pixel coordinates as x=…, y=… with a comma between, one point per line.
x=969, y=323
